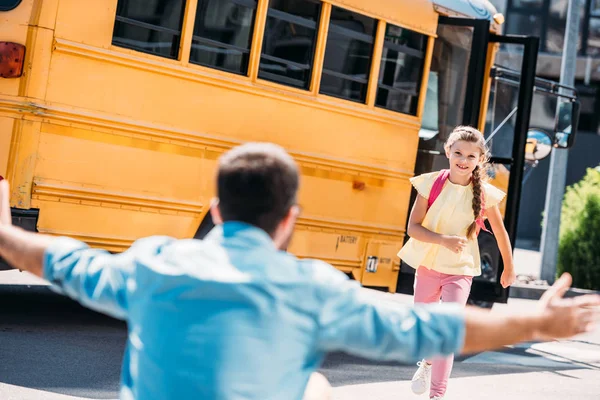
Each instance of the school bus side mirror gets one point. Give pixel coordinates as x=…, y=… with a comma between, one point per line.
x=566, y=123
x=539, y=145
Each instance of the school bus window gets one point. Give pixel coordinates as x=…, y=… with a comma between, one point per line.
x=446, y=85
x=348, y=55
x=402, y=64
x=289, y=42
x=150, y=26
x=223, y=34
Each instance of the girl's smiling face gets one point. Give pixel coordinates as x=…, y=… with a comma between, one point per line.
x=464, y=157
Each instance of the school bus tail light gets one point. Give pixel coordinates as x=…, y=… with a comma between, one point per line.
x=12, y=57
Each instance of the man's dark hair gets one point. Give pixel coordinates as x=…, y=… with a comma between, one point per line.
x=257, y=184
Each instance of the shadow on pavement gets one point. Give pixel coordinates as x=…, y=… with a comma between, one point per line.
x=50, y=343
x=342, y=369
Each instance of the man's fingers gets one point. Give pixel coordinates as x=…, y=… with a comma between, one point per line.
x=590, y=313
x=588, y=300
x=5, y=218
x=590, y=317
x=559, y=288
x=592, y=326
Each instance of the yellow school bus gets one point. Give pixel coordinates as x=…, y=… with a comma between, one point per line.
x=114, y=112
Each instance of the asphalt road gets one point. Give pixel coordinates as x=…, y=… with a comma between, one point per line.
x=53, y=349
x=50, y=346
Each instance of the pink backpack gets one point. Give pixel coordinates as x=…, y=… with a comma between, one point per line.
x=436, y=189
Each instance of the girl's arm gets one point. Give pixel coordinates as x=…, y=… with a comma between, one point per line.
x=495, y=218
x=420, y=233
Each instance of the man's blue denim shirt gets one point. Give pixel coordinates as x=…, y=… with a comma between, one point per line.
x=232, y=317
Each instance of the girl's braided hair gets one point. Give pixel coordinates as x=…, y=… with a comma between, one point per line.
x=472, y=135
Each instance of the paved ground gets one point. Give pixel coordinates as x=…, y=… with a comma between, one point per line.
x=564, y=384
x=51, y=349
x=558, y=370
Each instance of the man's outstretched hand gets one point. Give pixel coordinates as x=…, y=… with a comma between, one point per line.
x=19, y=248
x=554, y=318
x=565, y=317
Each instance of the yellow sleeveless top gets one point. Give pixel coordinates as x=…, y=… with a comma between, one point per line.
x=450, y=214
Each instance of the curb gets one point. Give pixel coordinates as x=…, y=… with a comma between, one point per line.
x=32, y=294
x=534, y=292
x=26, y=289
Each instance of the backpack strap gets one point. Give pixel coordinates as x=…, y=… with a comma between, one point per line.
x=437, y=187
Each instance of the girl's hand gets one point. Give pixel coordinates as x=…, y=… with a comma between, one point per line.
x=508, y=276
x=455, y=244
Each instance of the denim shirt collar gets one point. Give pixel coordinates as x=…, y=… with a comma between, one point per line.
x=241, y=232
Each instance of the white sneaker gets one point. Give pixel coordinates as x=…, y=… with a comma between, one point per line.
x=436, y=398
x=422, y=378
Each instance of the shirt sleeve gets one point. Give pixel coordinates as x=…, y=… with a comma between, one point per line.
x=360, y=322
x=96, y=278
x=493, y=195
x=423, y=183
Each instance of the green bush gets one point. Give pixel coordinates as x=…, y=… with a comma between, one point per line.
x=579, y=246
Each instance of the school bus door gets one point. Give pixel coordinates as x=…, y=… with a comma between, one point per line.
x=506, y=127
x=456, y=87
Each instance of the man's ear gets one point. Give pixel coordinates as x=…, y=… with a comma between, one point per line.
x=215, y=213
x=286, y=228
x=293, y=214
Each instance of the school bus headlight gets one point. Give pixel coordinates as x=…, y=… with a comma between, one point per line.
x=12, y=57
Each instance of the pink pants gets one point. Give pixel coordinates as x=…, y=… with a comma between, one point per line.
x=429, y=287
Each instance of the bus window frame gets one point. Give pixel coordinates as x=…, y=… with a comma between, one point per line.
x=158, y=28
x=409, y=51
x=252, y=5
x=313, y=94
x=310, y=68
x=361, y=37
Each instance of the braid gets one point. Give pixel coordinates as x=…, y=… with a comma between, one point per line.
x=472, y=135
x=476, y=179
